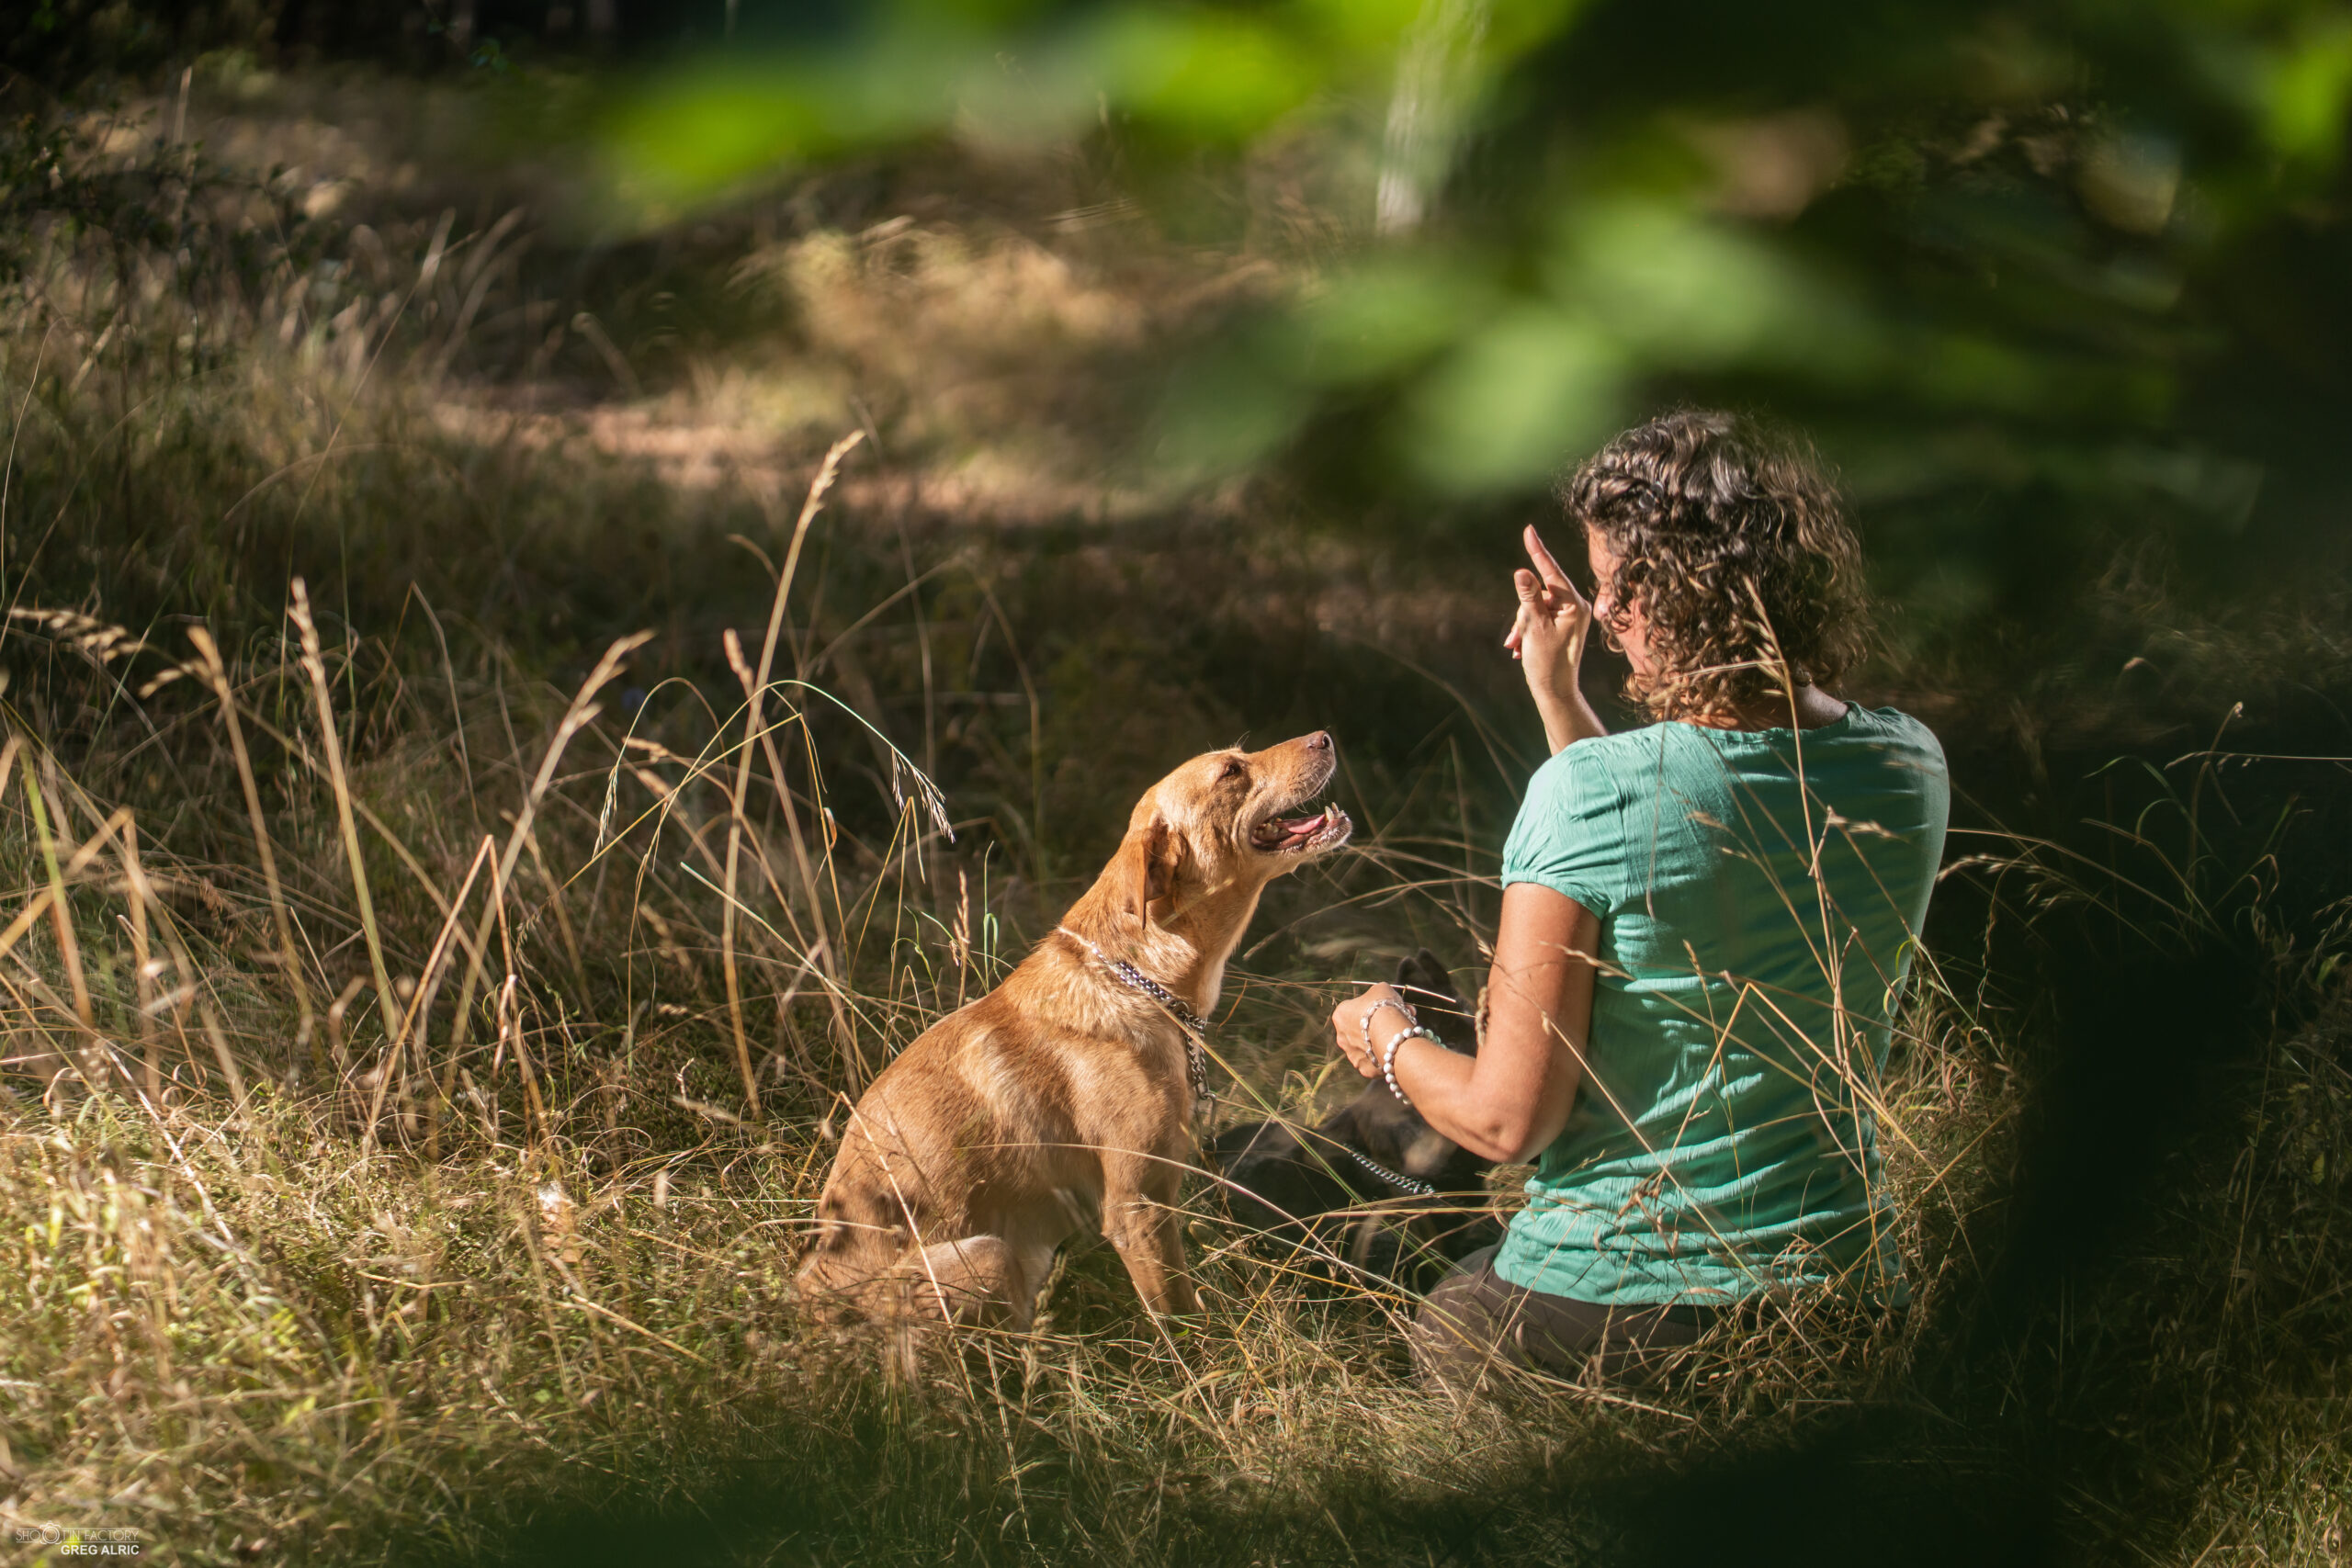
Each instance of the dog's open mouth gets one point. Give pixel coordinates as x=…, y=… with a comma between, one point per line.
x=1289, y=835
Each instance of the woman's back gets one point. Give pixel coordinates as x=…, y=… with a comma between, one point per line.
x=1759, y=893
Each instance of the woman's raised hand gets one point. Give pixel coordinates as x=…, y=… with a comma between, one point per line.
x=1547, y=639
x=1554, y=619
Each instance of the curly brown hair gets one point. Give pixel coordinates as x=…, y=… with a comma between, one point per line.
x=1731, y=539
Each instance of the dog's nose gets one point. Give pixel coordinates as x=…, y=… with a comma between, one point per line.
x=1319, y=742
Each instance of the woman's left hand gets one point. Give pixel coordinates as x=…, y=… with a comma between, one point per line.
x=1348, y=1024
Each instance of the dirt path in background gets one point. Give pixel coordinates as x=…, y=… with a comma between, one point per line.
x=697, y=451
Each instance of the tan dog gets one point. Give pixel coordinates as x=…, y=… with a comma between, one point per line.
x=1061, y=1101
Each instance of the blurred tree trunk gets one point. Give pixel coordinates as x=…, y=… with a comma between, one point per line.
x=1425, y=114
x=604, y=19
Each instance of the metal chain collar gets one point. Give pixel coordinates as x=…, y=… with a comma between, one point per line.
x=1196, y=1056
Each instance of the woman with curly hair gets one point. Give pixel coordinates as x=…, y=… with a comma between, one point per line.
x=1706, y=927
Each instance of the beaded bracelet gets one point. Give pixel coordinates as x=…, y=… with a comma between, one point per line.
x=1388, y=1058
x=1374, y=1011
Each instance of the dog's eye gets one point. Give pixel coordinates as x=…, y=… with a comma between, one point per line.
x=1234, y=769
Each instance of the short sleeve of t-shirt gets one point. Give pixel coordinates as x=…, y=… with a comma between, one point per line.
x=1567, y=837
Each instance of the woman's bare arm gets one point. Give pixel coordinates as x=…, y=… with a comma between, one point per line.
x=1513, y=1098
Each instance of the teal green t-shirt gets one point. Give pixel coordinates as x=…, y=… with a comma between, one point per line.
x=1759, y=894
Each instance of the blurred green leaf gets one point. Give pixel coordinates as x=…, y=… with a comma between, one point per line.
x=699, y=133
x=1225, y=411
x=2310, y=90
x=1214, y=74
x=1387, y=315
x=1679, y=291
x=1530, y=389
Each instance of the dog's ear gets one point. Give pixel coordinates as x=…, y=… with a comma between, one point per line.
x=1148, y=862
x=1423, y=974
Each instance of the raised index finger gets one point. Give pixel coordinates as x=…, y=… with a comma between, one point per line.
x=1546, y=567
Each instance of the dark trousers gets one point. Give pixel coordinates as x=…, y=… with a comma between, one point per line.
x=1475, y=1321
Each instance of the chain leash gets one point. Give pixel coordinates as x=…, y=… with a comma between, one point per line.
x=1419, y=1189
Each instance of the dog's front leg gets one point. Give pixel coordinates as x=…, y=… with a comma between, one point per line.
x=1139, y=1219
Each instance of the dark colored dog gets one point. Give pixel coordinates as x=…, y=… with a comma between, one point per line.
x=1307, y=1188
